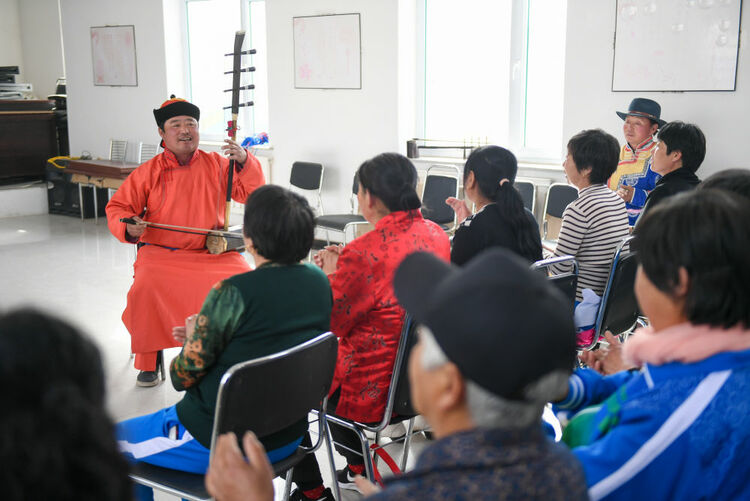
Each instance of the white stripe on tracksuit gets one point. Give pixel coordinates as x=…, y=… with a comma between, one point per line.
x=680, y=420
x=153, y=445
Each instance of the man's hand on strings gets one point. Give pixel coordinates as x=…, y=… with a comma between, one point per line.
x=234, y=151
x=136, y=230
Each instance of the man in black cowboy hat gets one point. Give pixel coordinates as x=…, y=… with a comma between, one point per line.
x=182, y=186
x=633, y=178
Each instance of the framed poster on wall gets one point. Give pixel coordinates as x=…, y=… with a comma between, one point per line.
x=676, y=45
x=113, y=55
x=327, y=52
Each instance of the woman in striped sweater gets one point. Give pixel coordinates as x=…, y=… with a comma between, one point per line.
x=597, y=221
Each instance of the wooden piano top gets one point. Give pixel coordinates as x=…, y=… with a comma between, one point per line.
x=101, y=168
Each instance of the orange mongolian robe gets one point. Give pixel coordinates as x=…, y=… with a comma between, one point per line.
x=174, y=272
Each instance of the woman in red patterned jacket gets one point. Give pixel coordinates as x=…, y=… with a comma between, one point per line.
x=366, y=316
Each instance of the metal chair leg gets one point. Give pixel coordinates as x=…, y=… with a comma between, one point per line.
x=288, y=484
x=329, y=448
x=377, y=444
x=407, y=444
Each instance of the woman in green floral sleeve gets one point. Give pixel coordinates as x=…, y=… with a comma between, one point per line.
x=280, y=304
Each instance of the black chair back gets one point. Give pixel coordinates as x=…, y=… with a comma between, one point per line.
x=558, y=197
x=619, y=310
x=306, y=175
x=565, y=282
x=274, y=380
x=526, y=190
x=436, y=189
x=402, y=397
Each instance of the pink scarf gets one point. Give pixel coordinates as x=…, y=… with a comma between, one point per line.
x=683, y=343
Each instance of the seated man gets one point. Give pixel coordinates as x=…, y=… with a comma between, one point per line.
x=634, y=179
x=680, y=150
x=173, y=272
x=241, y=319
x=496, y=342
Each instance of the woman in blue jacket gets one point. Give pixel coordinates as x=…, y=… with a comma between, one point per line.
x=678, y=428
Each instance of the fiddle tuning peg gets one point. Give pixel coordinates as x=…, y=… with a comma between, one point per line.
x=243, y=53
x=243, y=70
x=244, y=87
x=249, y=103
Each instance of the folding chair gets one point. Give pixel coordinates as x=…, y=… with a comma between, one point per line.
x=566, y=282
x=437, y=187
x=559, y=196
x=118, y=148
x=308, y=176
x=398, y=400
x=146, y=152
x=342, y=222
x=527, y=190
x=618, y=311
x=264, y=395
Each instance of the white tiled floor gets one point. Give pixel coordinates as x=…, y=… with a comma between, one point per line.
x=79, y=271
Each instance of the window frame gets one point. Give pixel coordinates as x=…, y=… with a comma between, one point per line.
x=247, y=115
x=517, y=105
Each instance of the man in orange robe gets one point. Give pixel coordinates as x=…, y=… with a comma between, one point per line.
x=173, y=271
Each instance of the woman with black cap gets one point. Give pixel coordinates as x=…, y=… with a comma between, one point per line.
x=500, y=219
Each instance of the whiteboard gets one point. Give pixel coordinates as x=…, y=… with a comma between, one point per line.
x=327, y=52
x=676, y=45
x=113, y=55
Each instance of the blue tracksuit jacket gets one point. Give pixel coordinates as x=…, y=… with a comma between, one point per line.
x=674, y=431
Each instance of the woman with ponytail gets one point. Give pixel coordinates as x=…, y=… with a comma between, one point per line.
x=366, y=316
x=56, y=440
x=500, y=219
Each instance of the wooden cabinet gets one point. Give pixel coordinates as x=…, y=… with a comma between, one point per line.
x=28, y=137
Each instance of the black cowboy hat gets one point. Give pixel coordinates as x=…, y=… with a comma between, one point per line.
x=642, y=107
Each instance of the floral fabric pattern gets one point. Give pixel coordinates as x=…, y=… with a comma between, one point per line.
x=366, y=316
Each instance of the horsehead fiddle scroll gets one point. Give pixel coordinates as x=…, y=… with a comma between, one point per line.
x=218, y=241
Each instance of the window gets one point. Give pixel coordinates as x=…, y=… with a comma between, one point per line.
x=210, y=32
x=494, y=72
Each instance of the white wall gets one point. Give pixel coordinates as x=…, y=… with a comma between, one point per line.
x=41, y=43
x=10, y=37
x=338, y=128
x=97, y=114
x=175, y=41
x=589, y=102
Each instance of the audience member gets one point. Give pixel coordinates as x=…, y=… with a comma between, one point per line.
x=679, y=428
x=608, y=360
x=280, y=304
x=500, y=219
x=56, y=440
x=734, y=180
x=477, y=380
x=679, y=152
x=634, y=178
x=366, y=315
x=596, y=222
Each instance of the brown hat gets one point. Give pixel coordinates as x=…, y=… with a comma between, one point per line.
x=175, y=107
